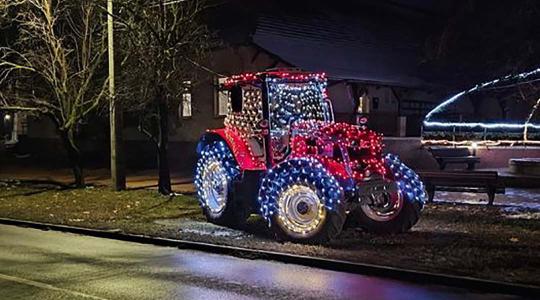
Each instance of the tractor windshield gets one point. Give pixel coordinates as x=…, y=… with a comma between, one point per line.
x=293, y=102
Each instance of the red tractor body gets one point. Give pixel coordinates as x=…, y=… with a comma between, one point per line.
x=282, y=155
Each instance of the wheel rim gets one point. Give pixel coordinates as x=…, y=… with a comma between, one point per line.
x=301, y=212
x=215, y=187
x=387, y=206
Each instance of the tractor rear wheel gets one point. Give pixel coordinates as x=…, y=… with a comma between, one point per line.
x=305, y=202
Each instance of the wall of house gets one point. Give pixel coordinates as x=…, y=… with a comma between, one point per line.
x=382, y=105
x=342, y=101
x=41, y=127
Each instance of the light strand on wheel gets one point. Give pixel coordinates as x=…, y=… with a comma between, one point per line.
x=215, y=152
x=408, y=181
x=307, y=171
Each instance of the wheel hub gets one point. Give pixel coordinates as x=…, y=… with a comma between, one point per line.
x=215, y=187
x=300, y=210
x=384, y=206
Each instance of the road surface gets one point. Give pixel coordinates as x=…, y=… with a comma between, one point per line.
x=38, y=264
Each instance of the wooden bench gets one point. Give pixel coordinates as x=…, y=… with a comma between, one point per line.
x=445, y=156
x=463, y=181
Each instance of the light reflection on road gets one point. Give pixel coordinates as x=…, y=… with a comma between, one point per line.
x=120, y=270
x=265, y=274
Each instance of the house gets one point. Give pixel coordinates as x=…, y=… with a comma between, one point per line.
x=373, y=67
x=372, y=57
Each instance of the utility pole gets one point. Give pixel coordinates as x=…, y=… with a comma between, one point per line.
x=118, y=175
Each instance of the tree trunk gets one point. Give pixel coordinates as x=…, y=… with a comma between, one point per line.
x=74, y=156
x=164, y=182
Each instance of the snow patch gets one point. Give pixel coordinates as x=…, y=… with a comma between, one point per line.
x=525, y=215
x=201, y=228
x=520, y=213
x=220, y=233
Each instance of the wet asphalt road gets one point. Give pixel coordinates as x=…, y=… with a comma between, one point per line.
x=38, y=264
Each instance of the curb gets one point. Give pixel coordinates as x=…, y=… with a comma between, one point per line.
x=419, y=277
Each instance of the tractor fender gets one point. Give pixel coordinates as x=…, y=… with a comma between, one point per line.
x=408, y=181
x=238, y=146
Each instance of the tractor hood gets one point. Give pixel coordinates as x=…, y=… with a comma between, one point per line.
x=348, y=151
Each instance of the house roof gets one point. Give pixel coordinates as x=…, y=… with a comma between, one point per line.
x=355, y=48
x=366, y=41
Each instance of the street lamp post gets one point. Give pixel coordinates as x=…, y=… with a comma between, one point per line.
x=118, y=176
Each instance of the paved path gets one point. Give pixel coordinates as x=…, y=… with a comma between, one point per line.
x=517, y=198
x=51, y=265
x=181, y=183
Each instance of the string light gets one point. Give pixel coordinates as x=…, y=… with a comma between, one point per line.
x=247, y=160
x=408, y=181
x=291, y=102
x=215, y=153
x=247, y=121
x=307, y=171
x=430, y=125
x=484, y=85
x=348, y=151
x=484, y=143
x=321, y=159
x=258, y=78
x=482, y=125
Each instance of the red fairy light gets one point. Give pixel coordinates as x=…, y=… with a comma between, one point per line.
x=256, y=78
x=241, y=149
x=347, y=151
x=363, y=147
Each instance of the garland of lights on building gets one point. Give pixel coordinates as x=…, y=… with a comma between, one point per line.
x=482, y=133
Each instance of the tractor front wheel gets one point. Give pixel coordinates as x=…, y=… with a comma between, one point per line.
x=399, y=211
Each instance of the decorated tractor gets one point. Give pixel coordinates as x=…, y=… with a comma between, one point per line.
x=281, y=155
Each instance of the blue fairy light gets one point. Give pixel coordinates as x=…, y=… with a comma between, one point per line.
x=408, y=182
x=277, y=181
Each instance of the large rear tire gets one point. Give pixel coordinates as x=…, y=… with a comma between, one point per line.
x=302, y=202
x=404, y=211
x=214, y=176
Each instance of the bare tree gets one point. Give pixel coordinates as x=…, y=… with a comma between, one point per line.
x=163, y=43
x=484, y=39
x=55, y=67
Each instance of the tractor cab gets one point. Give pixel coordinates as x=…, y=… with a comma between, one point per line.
x=263, y=107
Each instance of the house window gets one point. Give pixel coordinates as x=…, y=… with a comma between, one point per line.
x=222, y=98
x=185, y=106
x=375, y=101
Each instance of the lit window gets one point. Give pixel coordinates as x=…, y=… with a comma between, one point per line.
x=363, y=105
x=185, y=106
x=222, y=97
